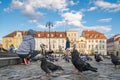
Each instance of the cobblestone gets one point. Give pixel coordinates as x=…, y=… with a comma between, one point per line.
x=106, y=71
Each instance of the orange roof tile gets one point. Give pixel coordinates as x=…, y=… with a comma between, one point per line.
x=41, y=34
x=52, y=34
x=91, y=34
x=12, y=34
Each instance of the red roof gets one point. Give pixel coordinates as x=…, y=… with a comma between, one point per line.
x=91, y=34
x=40, y=34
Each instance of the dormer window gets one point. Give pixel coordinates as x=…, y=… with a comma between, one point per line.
x=90, y=36
x=52, y=35
x=38, y=35
x=95, y=36
x=60, y=35
x=18, y=35
x=48, y=35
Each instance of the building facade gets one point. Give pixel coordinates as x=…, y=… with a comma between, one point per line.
x=81, y=45
x=89, y=42
x=95, y=42
x=14, y=38
x=73, y=36
x=57, y=39
x=113, y=45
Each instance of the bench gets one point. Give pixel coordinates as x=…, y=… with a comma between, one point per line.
x=5, y=61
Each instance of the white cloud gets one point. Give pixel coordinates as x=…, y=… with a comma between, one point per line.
x=30, y=8
x=73, y=3
x=111, y=7
x=33, y=21
x=60, y=23
x=92, y=8
x=6, y=9
x=42, y=26
x=105, y=20
x=73, y=18
x=99, y=28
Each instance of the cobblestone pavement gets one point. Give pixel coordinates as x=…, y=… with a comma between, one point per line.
x=106, y=71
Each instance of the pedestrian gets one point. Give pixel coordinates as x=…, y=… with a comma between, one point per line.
x=12, y=48
x=67, y=43
x=26, y=50
x=67, y=51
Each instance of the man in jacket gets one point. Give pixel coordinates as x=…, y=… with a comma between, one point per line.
x=27, y=47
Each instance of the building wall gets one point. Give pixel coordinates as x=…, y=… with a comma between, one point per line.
x=110, y=47
x=16, y=41
x=55, y=43
x=73, y=36
x=96, y=46
x=113, y=45
x=81, y=45
x=117, y=48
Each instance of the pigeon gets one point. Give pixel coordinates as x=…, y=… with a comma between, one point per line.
x=115, y=60
x=44, y=66
x=80, y=64
x=97, y=58
x=49, y=67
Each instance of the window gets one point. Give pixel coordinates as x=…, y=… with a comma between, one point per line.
x=62, y=41
x=18, y=35
x=53, y=46
x=95, y=36
x=60, y=35
x=89, y=46
x=92, y=46
x=103, y=46
x=74, y=34
x=52, y=35
x=96, y=46
x=38, y=35
x=103, y=41
x=53, y=41
x=68, y=34
x=90, y=36
x=89, y=41
x=96, y=41
x=100, y=47
x=74, y=39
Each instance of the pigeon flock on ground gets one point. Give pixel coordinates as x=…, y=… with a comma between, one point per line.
x=48, y=65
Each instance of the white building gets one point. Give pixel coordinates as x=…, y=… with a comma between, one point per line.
x=56, y=39
x=113, y=45
x=81, y=45
x=95, y=42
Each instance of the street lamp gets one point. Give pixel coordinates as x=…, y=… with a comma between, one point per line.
x=49, y=25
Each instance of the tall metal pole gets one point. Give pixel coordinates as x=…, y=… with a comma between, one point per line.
x=49, y=25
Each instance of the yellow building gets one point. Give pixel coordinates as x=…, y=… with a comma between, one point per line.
x=81, y=45
x=14, y=38
x=73, y=36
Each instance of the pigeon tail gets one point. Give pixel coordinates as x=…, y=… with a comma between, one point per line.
x=93, y=69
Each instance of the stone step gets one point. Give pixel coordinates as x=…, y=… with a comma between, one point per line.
x=5, y=61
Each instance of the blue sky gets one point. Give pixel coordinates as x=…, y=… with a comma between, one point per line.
x=100, y=15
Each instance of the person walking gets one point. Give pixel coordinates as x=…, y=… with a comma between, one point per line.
x=67, y=51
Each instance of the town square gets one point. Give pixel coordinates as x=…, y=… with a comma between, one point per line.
x=59, y=40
